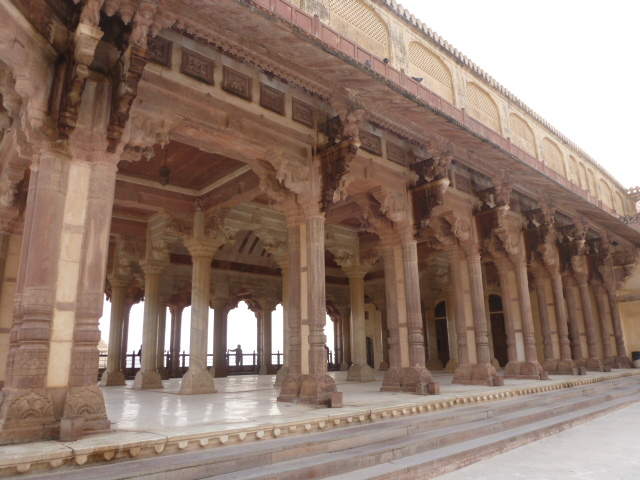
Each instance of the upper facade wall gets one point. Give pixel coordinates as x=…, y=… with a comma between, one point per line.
x=389, y=32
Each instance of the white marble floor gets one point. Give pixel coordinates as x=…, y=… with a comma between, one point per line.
x=247, y=400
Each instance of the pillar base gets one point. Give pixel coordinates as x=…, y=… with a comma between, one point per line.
x=147, y=380
x=496, y=364
x=434, y=364
x=114, y=378
x=408, y=379
x=87, y=402
x=384, y=366
x=26, y=415
x=212, y=371
x=623, y=361
x=308, y=389
x=477, y=374
x=360, y=373
x=221, y=372
x=281, y=375
x=344, y=366
x=525, y=371
x=580, y=362
x=263, y=370
x=560, y=367
x=594, y=365
x=196, y=383
x=451, y=366
x=611, y=361
x=164, y=373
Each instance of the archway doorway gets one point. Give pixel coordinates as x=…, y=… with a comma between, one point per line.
x=498, y=330
x=442, y=333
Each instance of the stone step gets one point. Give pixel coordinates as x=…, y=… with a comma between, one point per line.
x=321, y=451
x=351, y=460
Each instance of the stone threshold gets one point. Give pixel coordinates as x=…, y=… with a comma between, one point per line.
x=45, y=457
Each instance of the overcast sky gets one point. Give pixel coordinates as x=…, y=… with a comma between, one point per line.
x=573, y=62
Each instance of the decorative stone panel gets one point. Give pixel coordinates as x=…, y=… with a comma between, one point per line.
x=396, y=154
x=160, y=49
x=197, y=66
x=371, y=143
x=236, y=83
x=272, y=99
x=302, y=112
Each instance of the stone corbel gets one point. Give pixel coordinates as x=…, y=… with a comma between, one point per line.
x=216, y=227
x=292, y=171
x=392, y=204
x=143, y=132
x=85, y=41
x=273, y=241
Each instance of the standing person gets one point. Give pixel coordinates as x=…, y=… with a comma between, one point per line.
x=238, y=352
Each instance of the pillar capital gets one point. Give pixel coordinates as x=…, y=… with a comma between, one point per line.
x=203, y=248
x=153, y=267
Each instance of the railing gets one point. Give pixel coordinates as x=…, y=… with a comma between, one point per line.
x=249, y=363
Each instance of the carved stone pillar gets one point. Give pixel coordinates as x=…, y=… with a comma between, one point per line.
x=359, y=371
x=566, y=366
x=113, y=375
x=512, y=369
x=532, y=367
x=317, y=387
x=148, y=376
x=594, y=363
x=290, y=389
x=176, y=328
x=622, y=357
x=197, y=380
x=574, y=322
x=540, y=281
x=264, y=336
x=220, y=338
x=452, y=331
x=605, y=320
x=346, y=342
x=393, y=376
x=463, y=371
x=53, y=356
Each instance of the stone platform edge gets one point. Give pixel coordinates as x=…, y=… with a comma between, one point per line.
x=50, y=455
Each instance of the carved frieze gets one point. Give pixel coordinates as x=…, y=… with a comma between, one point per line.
x=197, y=66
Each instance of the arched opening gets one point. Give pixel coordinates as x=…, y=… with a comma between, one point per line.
x=330, y=345
x=242, y=340
x=498, y=329
x=442, y=333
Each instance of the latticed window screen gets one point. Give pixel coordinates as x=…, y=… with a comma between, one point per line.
x=482, y=101
x=361, y=17
x=429, y=63
x=522, y=134
x=552, y=156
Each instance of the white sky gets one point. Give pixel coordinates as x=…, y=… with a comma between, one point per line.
x=574, y=62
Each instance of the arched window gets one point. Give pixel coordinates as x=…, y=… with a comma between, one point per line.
x=522, y=135
x=428, y=65
x=361, y=24
x=482, y=107
x=552, y=156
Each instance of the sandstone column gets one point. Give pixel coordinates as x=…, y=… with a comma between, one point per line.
x=545, y=320
x=197, y=380
x=359, y=371
x=433, y=362
x=594, y=363
x=512, y=369
x=565, y=365
x=622, y=357
x=113, y=374
x=220, y=337
x=176, y=327
x=532, y=367
x=574, y=321
x=463, y=371
x=148, y=376
x=603, y=313
x=265, y=345
x=393, y=376
x=484, y=372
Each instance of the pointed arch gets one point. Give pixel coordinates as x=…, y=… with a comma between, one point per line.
x=362, y=24
x=482, y=107
x=552, y=156
x=522, y=134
